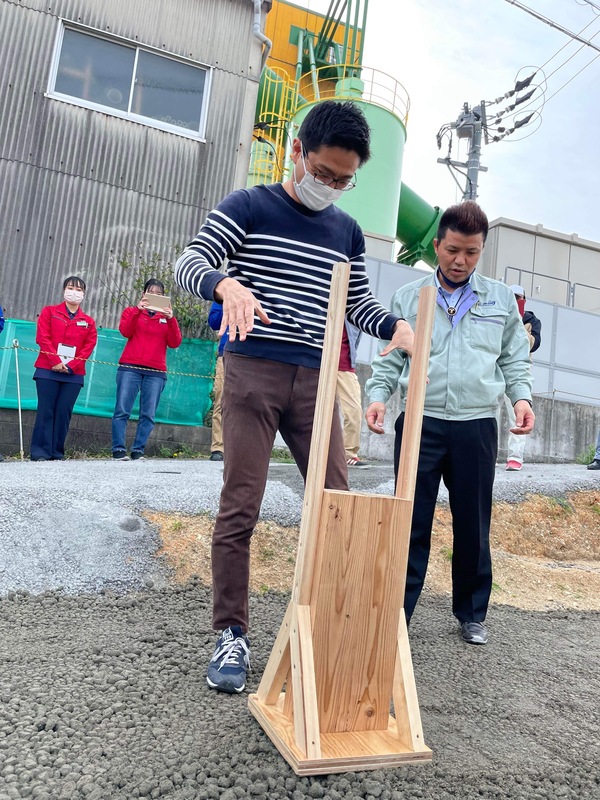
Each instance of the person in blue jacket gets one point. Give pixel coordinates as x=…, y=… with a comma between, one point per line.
x=1, y=329
x=215, y=316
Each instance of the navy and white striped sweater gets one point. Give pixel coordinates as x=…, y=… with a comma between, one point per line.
x=284, y=253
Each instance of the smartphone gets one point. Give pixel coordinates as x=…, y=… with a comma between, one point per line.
x=157, y=302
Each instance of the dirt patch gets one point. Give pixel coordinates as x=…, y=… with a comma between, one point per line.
x=546, y=552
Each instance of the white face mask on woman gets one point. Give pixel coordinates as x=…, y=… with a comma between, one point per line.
x=314, y=195
x=73, y=296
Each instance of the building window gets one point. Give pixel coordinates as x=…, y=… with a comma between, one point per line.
x=120, y=78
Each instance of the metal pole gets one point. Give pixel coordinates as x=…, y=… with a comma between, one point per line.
x=354, y=46
x=313, y=66
x=16, y=347
x=346, y=32
x=362, y=33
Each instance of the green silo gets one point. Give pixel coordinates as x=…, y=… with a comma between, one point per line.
x=375, y=200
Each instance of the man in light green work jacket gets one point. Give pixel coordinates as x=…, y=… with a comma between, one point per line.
x=479, y=351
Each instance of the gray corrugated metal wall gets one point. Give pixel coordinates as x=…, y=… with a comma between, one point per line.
x=79, y=188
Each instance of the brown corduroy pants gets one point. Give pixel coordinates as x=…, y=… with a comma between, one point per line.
x=259, y=397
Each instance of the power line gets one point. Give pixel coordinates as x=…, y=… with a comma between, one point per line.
x=566, y=44
x=585, y=66
x=589, y=3
x=553, y=24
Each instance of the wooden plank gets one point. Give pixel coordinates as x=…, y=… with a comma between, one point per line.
x=406, y=702
x=415, y=398
x=321, y=434
x=355, y=608
x=297, y=684
x=278, y=664
x=311, y=711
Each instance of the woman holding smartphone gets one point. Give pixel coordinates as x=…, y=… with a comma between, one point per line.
x=142, y=367
x=66, y=337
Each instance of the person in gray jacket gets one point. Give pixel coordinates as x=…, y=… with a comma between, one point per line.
x=479, y=352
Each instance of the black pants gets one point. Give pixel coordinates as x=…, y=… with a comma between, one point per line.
x=464, y=455
x=55, y=406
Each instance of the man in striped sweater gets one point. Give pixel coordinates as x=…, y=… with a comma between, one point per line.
x=281, y=242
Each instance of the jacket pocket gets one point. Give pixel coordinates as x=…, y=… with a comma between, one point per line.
x=487, y=330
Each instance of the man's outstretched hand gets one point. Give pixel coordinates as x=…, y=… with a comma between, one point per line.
x=239, y=308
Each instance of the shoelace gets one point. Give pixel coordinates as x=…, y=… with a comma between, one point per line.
x=232, y=653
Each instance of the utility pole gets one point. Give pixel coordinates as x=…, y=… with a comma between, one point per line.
x=471, y=124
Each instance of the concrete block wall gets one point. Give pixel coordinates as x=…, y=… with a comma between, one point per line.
x=93, y=434
x=562, y=430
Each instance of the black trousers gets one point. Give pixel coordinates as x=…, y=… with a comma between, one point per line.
x=463, y=454
x=55, y=406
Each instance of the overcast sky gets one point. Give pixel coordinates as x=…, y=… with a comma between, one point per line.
x=448, y=53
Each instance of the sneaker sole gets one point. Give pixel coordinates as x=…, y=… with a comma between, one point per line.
x=475, y=641
x=228, y=688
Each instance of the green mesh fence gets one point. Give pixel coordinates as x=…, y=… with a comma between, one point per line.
x=185, y=400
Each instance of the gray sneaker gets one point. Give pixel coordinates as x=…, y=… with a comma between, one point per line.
x=594, y=465
x=474, y=632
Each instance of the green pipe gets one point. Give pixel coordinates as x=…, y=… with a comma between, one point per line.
x=416, y=228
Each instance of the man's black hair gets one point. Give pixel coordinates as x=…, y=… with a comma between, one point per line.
x=466, y=218
x=154, y=282
x=78, y=282
x=335, y=124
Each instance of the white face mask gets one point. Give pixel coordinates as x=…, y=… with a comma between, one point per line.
x=73, y=296
x=313, y=195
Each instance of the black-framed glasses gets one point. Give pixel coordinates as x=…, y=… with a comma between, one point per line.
x=343, y=184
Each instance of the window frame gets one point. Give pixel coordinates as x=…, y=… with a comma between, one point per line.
x=64, y=24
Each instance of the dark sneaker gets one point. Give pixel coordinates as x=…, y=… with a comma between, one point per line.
x=216, y=455
x=474, y=632
x=356, y=462
x=594, y=465
x=137, y=456
x=230, y=661
x=120, y=455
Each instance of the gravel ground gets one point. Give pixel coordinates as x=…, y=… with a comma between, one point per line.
x=102, y=690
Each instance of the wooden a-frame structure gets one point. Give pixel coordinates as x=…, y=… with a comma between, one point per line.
x=342, y=652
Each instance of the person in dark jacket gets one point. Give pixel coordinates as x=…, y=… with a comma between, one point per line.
x=143, y=369
x=66, y=337
x=533, y=328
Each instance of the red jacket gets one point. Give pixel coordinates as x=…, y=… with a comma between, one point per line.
x=149, y=336
x=54, y=327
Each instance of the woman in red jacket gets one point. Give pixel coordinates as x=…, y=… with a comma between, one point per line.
x=66, y=337
x=143, y=369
